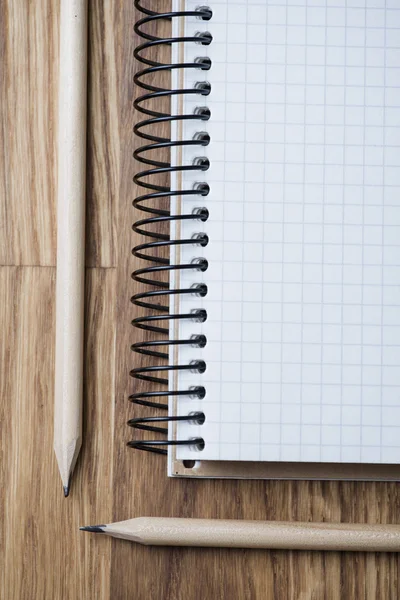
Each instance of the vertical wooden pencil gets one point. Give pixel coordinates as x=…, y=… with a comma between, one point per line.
x=70, y=236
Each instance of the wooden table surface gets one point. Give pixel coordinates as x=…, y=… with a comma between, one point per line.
x=43, y=555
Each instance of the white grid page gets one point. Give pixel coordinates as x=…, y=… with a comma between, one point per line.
x=303, y=303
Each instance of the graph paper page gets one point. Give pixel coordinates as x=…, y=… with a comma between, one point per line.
x=303, y=278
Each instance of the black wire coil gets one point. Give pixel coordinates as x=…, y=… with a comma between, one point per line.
x=156, y=217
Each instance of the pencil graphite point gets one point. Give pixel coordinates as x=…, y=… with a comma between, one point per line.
x=93, y=528
x=66, y=459
x=66, y=488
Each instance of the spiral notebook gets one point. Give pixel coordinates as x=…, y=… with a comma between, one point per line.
x=284, y=271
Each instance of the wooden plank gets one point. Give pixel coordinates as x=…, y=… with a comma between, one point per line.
x=29, y=108
x=6, y=233
x=7, y=394
x=103, y=136
x=45, y=555
x=29, y=34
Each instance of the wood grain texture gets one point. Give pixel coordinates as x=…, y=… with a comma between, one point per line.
x=103, y=135
x=29, y=66
x=29, y=50
x=44, y=555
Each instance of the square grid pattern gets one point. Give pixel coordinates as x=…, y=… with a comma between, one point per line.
x=303, y=298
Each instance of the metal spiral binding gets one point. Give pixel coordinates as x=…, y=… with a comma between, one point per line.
x=155, y=218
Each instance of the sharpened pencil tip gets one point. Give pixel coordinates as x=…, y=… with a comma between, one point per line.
x=67, y=487
x=93, y=528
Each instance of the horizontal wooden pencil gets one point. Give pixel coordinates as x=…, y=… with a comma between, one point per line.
x=159, y=531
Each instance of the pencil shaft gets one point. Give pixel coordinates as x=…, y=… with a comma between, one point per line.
x=258, y=534
x=70, y=235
